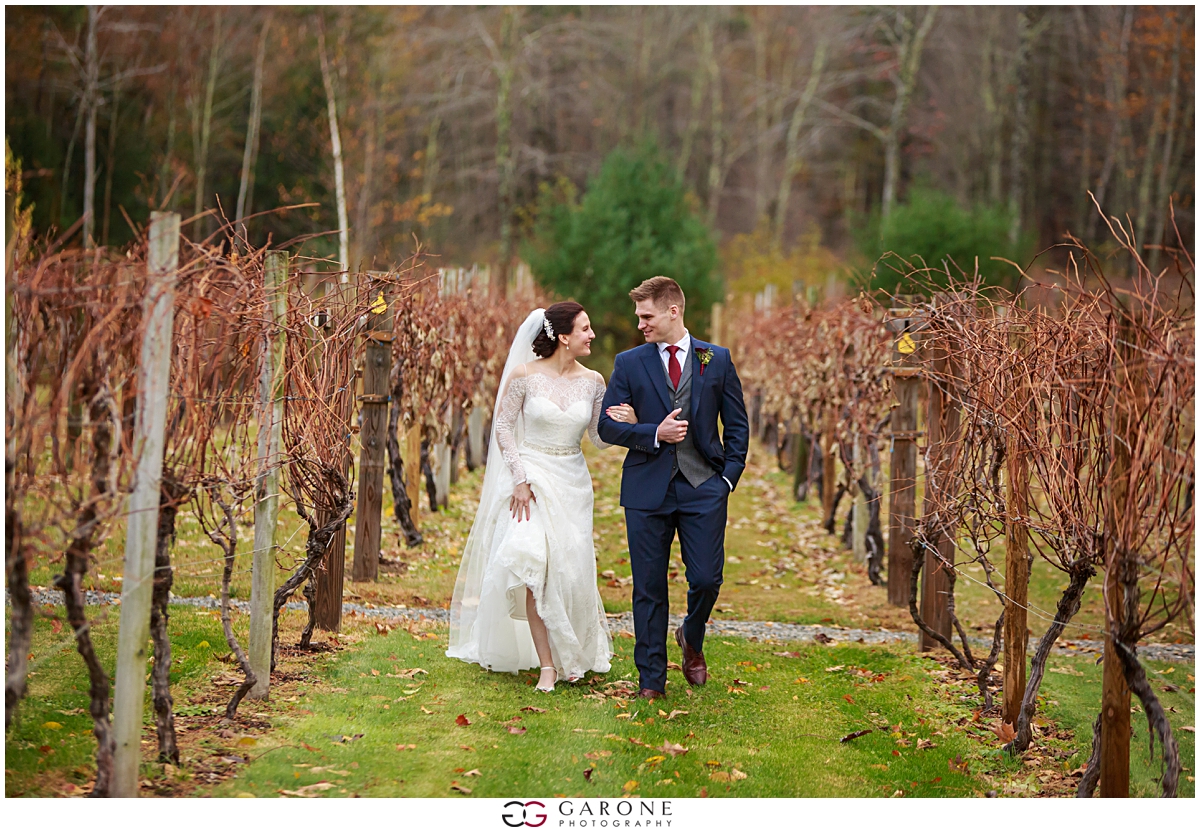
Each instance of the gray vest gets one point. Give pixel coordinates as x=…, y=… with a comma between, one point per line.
x=687, y=458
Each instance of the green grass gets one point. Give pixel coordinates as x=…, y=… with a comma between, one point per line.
x=1071, y=696
x=780, y=732
x=50, y=744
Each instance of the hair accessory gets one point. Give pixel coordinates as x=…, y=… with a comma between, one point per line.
x=547, y=327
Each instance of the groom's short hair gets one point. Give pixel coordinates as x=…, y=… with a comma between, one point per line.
x=663, y=291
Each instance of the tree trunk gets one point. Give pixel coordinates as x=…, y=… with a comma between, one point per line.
x=504, y=160
x=109, y=165
x=791, y=160
x=339, y=173
x=400, y=503
x=764, y=149
x=1068, y=606
x=911, y=46
x=166, y=175
x=200, y=141
x=1085, y=155
x=693, y=124
x=225, y=536
x=1163, y=190
x=1145, y=189
x=21, y=618
x=716, y=162
x=70, y=581
x=160, y=675
x=319, y=538
x=363, y=234
x=250, y=151
x=1020, y=134
x=1117, y=86
x=91, y=97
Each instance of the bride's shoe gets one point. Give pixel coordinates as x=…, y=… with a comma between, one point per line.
x=546, y=685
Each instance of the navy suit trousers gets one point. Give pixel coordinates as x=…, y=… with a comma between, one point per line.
x=698, y=515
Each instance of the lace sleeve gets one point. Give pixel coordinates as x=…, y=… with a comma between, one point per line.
x=597, y=407
x=506, y=419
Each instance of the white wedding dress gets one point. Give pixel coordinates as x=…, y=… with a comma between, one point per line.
x=538, y=425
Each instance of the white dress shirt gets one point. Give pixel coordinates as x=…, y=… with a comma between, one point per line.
x=684, y=352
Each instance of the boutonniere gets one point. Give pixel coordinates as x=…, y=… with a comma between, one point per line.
x=704, y=355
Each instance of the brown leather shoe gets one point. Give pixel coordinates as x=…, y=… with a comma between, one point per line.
x=695, y=669
x=650, y=693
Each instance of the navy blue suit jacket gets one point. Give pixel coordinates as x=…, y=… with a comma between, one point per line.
x=638, y=379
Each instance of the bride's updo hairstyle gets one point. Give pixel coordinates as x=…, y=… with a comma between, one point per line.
x=561, y=317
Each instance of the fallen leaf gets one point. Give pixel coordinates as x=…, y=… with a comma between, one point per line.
x=713, y=763
x=408, y=673
x=720, y=777
x=516, y=729
x=738, y=774
x=461, y=719
x=790, y=654
x=596, y=755
x=676, y=713
x=848, y=698
x=587, y=775
x=629, y=786
x=472, y=773
x=923, y=743
x=1188, y=728
x=1005, y=732
x=455, y=786
x=426, y=710
x=382, y=630
x=534, y=709
x=674, y=749
x=310, y=790
x=53, y=726
x=835, y=669
x=247, y=741
x=466, y=747
x=403, y=747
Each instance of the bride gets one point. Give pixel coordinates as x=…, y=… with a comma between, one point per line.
x=526, y=590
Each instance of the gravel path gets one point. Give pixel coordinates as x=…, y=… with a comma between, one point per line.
x=755, y=631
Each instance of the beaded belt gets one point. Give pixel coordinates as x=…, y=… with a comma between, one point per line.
x=560, y=451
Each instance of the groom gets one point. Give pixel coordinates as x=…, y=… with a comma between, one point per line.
x=678, y=473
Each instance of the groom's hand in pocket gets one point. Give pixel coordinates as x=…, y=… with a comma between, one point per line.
x=672, y=430
x=519, y=503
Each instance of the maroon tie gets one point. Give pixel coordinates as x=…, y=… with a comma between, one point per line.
x=673, y=367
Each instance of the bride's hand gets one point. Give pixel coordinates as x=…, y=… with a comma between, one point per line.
x=622, y=413
x=519, y=502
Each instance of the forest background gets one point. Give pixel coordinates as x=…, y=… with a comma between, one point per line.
x=805, y=141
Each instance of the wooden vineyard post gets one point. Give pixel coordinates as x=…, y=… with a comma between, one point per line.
x=902, y=488
x=266, y=486
x=800, y=462
x=412, y=469
x=829, y=465
x=1016, y=542
x=476, y=439
x=329, y=579
x=154, y=374
x=377, y=369
x=439, y=455
x=942, y=425
x=861, y=515
x=1115, y=723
